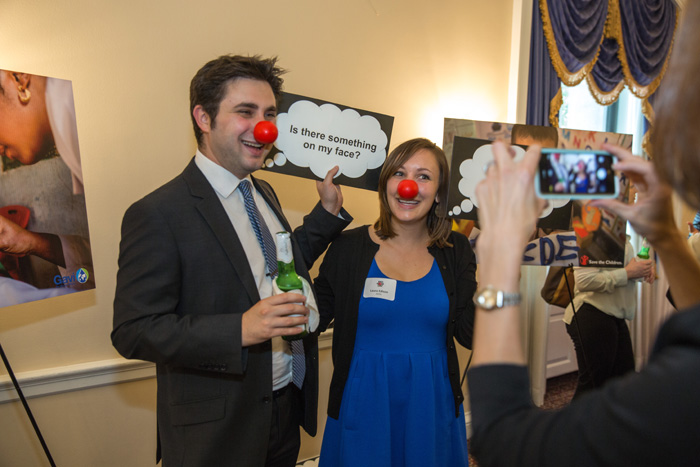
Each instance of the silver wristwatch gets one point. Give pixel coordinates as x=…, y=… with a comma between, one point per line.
x=489, y=298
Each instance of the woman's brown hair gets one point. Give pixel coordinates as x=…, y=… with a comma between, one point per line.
x=439, y=226
x=675, y=137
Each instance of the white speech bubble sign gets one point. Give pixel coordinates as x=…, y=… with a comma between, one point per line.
x=472, y=172
x=321, y=137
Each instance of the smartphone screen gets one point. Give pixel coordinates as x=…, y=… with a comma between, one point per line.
x=576, y=173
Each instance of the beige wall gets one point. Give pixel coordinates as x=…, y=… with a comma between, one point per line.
x=130, y=63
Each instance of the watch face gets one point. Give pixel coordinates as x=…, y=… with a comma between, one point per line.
x=487, y=299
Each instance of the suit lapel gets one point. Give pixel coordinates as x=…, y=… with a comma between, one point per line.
x=209, y=205
x=266, y=191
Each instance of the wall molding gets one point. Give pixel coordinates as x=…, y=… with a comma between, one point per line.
x=49, y=381
x=57, y=380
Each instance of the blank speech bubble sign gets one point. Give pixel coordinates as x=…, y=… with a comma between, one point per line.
x=471, y=172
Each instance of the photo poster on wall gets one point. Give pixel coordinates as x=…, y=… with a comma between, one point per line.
x=315, y=136
x=42, y=200
x=568, y=232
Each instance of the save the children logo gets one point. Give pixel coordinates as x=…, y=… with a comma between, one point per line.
x=584, y=260
x=81, y=276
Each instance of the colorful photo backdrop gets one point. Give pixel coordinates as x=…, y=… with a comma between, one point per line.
x=569, y=232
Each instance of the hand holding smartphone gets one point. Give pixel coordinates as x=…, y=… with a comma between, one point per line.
x=576, y=173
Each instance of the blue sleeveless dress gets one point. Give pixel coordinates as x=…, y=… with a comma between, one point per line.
x=398, y=408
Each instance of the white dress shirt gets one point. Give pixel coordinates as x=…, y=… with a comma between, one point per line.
x=607, y=289
x=225, y=184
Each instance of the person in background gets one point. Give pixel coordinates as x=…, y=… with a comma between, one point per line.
x=41, y=119
x=399, y=292
x=694, y=235
x=546, y=137
x=648, y=418
x=580, y=178
x=526, y=135
x=195, y=285
x=604, y=300
x=694, y=243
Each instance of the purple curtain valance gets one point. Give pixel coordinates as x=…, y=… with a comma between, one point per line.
x=610, y=43
x=646, y=29
x=574, y=30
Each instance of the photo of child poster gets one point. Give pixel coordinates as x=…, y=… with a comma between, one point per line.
x=557, y=240
x=44, y=238
x=314, y=136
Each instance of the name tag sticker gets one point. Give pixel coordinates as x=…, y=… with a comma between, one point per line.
x=380, y=287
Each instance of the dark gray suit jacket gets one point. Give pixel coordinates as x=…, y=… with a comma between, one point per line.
x=182, y=286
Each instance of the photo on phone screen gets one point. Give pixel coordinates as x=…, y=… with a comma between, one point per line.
x=576, y=173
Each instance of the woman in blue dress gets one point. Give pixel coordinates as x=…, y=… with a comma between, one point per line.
x=399, y=292
x=581, y=178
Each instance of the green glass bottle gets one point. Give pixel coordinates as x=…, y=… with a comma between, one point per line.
x=287, y=279
x=644, y=250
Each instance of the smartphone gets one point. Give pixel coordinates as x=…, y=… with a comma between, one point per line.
x=576, y=173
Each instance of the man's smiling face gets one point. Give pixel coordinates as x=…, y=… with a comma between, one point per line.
x=229, y=140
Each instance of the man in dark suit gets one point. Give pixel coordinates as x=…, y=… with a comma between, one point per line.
x=194, y=291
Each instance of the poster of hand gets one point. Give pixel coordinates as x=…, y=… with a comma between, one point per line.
x=44, y=237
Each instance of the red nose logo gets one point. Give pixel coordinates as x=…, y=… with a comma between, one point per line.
x=408, y=189
x=265, y=132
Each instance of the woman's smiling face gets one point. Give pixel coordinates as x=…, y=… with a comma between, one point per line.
x=423, y=169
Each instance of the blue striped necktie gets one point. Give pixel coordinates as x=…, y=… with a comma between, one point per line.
x=262, y=232
x=260, y=228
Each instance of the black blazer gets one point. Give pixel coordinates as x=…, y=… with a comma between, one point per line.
x=182, y=286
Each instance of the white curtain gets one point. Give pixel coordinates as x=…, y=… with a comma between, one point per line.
x=653, y=308
x=534, y=325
